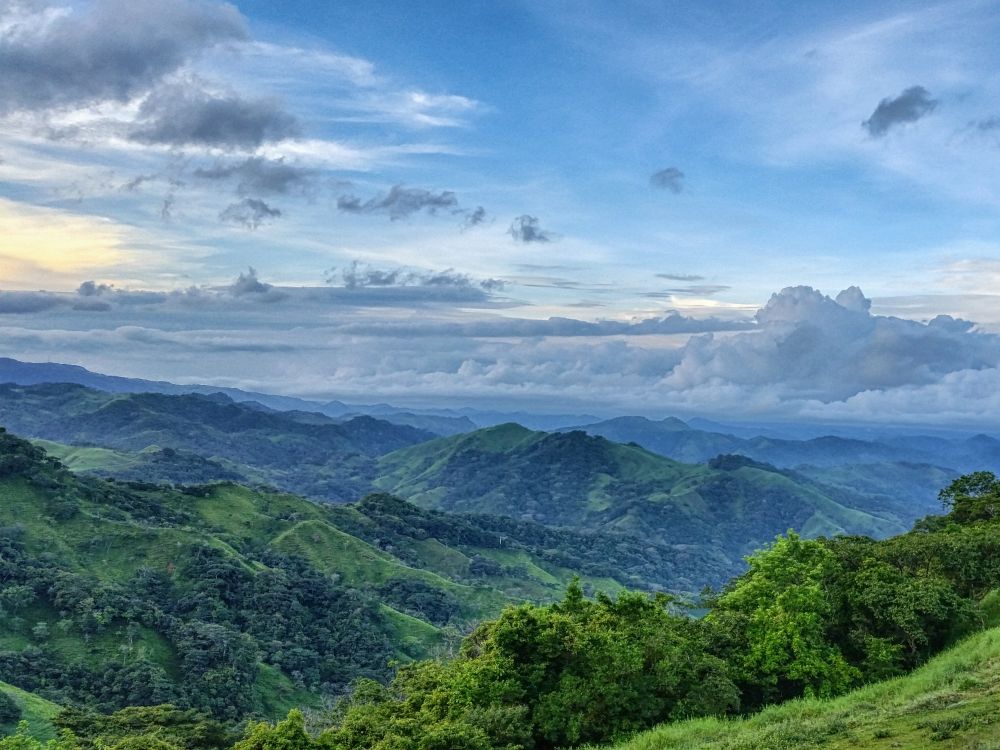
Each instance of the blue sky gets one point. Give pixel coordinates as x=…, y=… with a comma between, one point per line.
x=661, y=167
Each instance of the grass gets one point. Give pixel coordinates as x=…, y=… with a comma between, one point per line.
x=952, y=702
x=38, y=712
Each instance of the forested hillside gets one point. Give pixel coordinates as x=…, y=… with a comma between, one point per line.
x=239, y=601
x=731, y=504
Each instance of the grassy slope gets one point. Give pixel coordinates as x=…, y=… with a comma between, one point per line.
x=952, y=702
x=38, y=712
x=113, y=549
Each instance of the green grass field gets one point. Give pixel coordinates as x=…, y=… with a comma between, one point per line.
x=952, y=702
x=38, y=712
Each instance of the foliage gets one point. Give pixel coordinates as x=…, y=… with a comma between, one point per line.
x=578, y=671
x=187, y=729
x=973, y=497
x=10, y=712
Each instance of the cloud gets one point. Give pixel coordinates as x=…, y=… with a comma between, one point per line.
x=671, y=179
x=23, y=303
x=93, y=289
x=183, y=114
x=112, y=50
x=474, y=218
x=526, y=229
x=248, y=283
x=360, y=275
x=400, y=202
x=259, y=176
x=250, y=213
x=249, y=286
x=989, y=124
x=809, y=346
x=680, y=277
x=910, y=106
x=695, y=290
x=414, y=337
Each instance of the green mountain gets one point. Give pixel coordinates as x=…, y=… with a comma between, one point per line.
x=240, y=601
x=951, y=703
x=301, y=452
x=576, y=480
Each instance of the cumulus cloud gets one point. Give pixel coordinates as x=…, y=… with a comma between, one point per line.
x=111, y=50
x=440, y=337
x=183, y=114
x=911, y=105
x=250, y=213
x=93, y=289
x=809, y=346
x=400, y=202
x=671, y=179
x=527, y=229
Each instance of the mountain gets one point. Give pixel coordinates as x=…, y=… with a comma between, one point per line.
x=439, y=421
x=296, y=451
x=948, y=704
x=575, y=480
x=241, y=601
x=683, y=441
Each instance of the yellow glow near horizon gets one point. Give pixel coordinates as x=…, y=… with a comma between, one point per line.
x=50, y=248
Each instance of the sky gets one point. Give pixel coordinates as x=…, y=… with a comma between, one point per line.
x=733, y=209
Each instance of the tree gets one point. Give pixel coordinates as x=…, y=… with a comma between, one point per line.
x=973, y=497
x=774, y=621
x=10, y=712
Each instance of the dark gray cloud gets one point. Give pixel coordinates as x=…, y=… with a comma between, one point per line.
x=474, y=218
x=360, y=275
x=250, y=213
x=400, y=202
x=183, y=114
x=680, y=277
x=110, y=50
x=526, y=229
x=910, y=106
x=671, y=179
x=260, y=176
x=989, y=124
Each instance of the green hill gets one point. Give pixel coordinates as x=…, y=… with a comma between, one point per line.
x=241, y=601
x=733, y=504
x=194, y=438
x=951, y=702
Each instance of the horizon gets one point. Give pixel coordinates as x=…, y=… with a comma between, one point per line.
x=781, y=214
